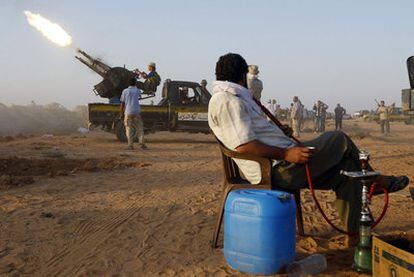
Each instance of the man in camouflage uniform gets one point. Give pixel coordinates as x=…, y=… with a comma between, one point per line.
x=384, y=116
x=152, y=79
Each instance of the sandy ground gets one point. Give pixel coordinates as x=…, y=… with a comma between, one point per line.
x=82, y=205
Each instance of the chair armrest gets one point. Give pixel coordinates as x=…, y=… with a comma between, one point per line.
x=265, y=163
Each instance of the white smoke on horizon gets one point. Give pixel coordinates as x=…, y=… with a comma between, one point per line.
x=41, y=119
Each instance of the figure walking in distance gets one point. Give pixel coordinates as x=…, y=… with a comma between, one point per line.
x=320, y=116
x=384, y=116
x=339, y=114
x=254, y=84
x=296, y=116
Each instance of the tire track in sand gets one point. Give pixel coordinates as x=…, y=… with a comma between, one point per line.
x=88, y=235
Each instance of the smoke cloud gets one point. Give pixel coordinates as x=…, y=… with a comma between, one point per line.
x=41, y=119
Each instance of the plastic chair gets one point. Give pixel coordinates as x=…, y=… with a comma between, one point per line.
x=233, y=180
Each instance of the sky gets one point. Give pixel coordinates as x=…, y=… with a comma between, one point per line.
x=348, y=52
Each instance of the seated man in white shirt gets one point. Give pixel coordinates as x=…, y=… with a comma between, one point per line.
x=238, y=122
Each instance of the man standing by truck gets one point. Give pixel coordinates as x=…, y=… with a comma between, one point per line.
x=131, y=114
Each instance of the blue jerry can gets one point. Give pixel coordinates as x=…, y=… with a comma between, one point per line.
x=259, y=230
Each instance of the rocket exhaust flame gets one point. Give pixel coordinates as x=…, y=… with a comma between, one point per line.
x=49, y=29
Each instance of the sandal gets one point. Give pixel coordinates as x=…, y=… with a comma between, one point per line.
x=393, y=184
x=398, y=183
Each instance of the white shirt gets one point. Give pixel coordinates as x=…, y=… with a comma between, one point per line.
x=272, y=108
x=296, y=112
x=130, y=97
x=255, y=85
x=236, y=119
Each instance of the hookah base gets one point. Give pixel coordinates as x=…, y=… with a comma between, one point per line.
x=362, y=260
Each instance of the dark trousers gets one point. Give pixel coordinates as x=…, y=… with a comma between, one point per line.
x=334, y=152
x=385, y=126
x=323, y=121
x=338, y=123
x=318, y=124
x=146, y=87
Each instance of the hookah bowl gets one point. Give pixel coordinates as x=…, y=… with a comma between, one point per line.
x=363, y=256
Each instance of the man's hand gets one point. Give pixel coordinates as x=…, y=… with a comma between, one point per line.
x=143, y=75
x=298, y=155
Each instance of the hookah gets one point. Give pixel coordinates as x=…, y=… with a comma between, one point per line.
x=363, y=256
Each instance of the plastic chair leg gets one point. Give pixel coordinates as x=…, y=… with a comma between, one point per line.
x=216, y=233
x=299, y=216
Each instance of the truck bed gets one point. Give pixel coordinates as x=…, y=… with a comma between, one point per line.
x=156, y=118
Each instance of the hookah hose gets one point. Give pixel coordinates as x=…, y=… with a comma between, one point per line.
x=310, y=184
x=384, y=209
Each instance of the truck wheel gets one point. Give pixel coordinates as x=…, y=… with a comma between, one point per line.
x=120, y=132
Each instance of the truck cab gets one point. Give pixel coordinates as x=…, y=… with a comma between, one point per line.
x=184, y=93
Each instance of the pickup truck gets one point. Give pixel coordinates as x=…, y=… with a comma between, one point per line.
x=183, y=108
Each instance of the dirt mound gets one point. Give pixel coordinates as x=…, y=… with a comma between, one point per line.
x=16, y=171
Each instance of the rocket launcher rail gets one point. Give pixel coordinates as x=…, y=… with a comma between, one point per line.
x=94, y=64
x=115, y=79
